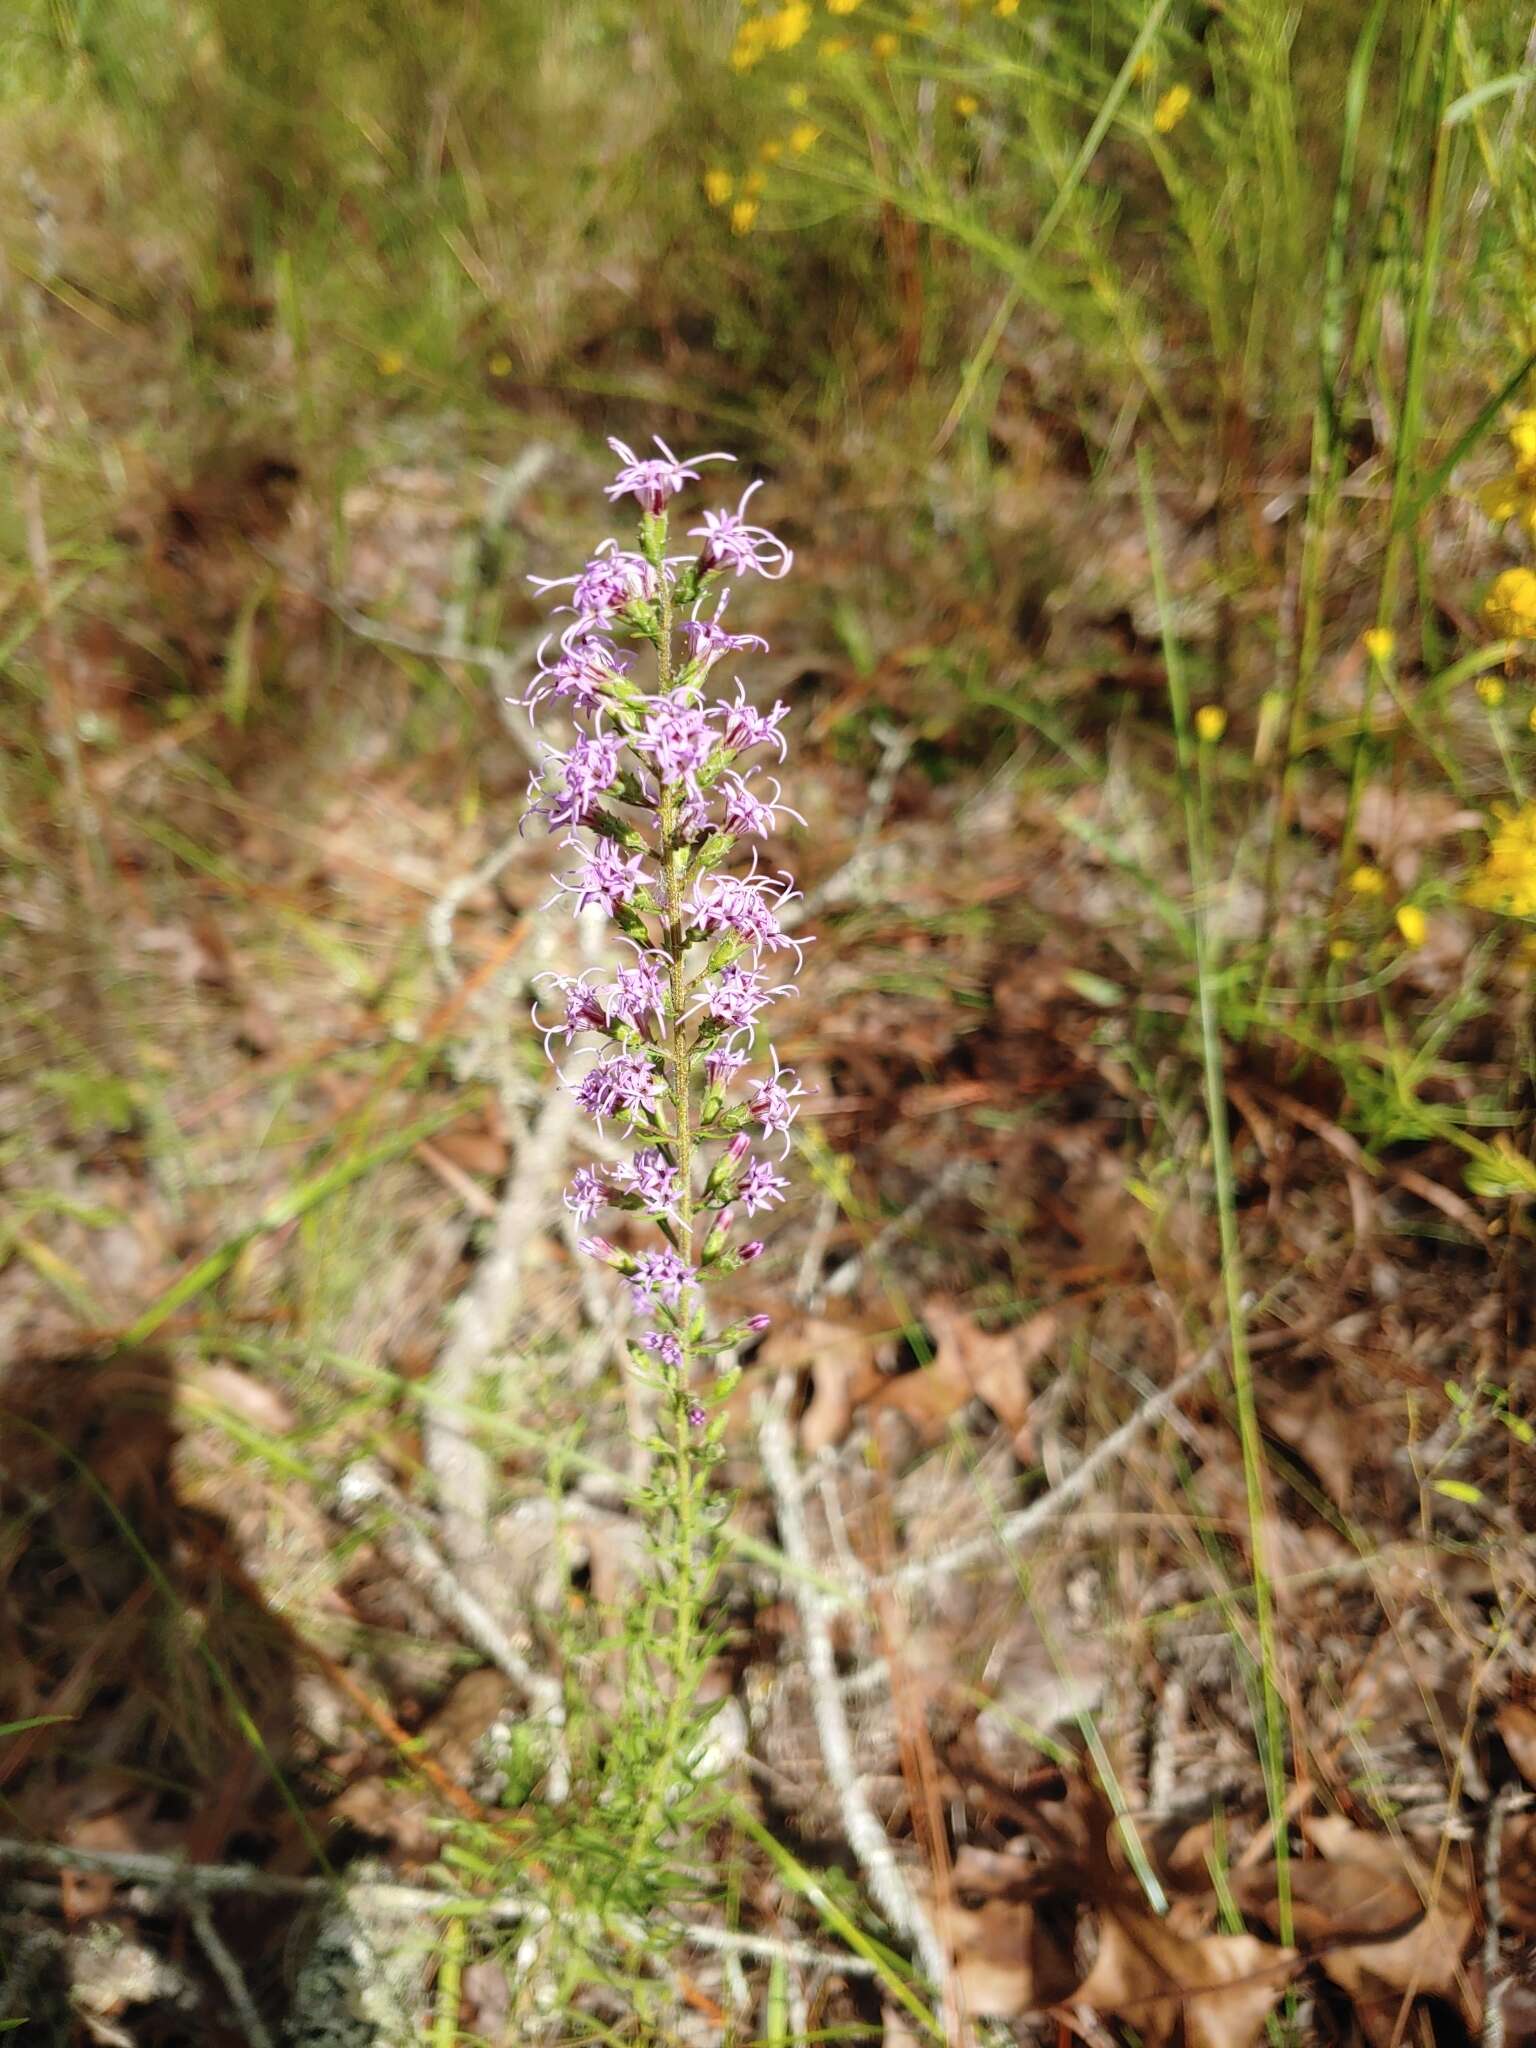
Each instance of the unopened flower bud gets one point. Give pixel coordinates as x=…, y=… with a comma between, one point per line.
x=751, y=1251
x=739, y=1146
x=610, y=1255
x=758, y=1323
x=714, y=1243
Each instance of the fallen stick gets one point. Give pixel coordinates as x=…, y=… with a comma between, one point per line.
x=364, y=1489
x=866, y=1837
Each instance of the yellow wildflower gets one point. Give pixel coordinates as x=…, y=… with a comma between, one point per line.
x=500, y=364
x=1506, y=881
x=1143, y=68
x=966, y=104
x=834, y=46
x=1508, y=498
x=780, y=30
x=1522, y=439
x=844, y=6
x=1531, y=718
x=389, y=362
x=885, y=45
x=718, y=187
x=1005, y=8
x=1510, y=606
x=797, y=95
x=771, y=150
x=1339, y=949
x=1412, y=923
x=743, y=214
x=803, y=136
x=1491, y=690
x=754, y=182
x=1368, y=881
x=1210, y=722
x=1380, y=642
x=1171, y=109
x=1513, y=496
x=787, y=26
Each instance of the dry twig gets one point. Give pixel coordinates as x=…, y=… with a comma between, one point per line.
x=365, y=1488
x=866, y=1837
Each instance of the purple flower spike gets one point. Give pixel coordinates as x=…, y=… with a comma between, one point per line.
x=676, y=739
x=735, y=997
x=774, y=1105
x=623, y=1084
x=639, y=992
x=611, y=581
x=743, y=905
x=708, y=640
x=730, y=543
x=651, y=479
x=760, y=1187
x=590, y=769
x=745, y=812
x=657, y=798
x=585, y=673
x=743, y=726
x=659, y=1277
x=606, y=878
x=722, y=1063
x=652, y=1179
x=587, y=1193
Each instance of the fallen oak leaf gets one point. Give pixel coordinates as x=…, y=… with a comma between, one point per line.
x=968, y=1363
x=845, y=1367
x=1517, y=1873
x=1517, y=1724
x=1426, y=1959
x=1330, y=1903
x=1213, y=1991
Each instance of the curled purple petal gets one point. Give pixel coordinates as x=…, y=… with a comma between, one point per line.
x=731, y=543
x=653, y=479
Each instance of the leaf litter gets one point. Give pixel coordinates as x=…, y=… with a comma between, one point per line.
x=975, y=1003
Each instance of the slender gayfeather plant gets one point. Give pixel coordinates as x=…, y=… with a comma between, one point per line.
x=660, y=794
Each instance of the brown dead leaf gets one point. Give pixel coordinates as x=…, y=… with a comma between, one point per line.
x=1331, y=1902
x=476, y=1151
x=471, y=1706
x=1517, y=1872
x=1009, y=1959
x=83, y=1894
x=1427, y=1958
x=1319, y=1429
x=991, y=1947
x=1397, y=824
x=969, y=1363
x=248, y=1399
x=1216, y=1989
x=845, y=1367
x=1517, y=1724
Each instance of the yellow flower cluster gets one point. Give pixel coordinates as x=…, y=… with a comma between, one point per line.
x=1506, y=881
x=1171, y=109
x=1513, y=495
x=763, y=34
x=1510, y=606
